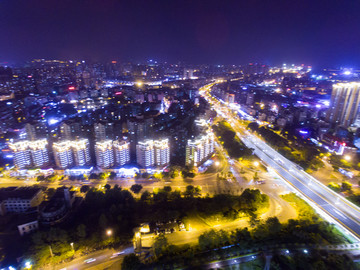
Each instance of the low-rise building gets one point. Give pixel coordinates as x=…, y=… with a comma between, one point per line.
x=20, y=199
x=57, y=208
x=28, y=223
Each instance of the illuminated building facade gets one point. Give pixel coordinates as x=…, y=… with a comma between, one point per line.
x=21, y=154
x=344, y=104
x=69, y=153
x=153, y=153
x=104, y=154
x=145, y=153
x=39, y=152
x=63, y=154
x=30, y=153
x=199, y=149
x=121, y=152
x=162, y=152
x=81, y=150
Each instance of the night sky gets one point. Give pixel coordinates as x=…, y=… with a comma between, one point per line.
x=325, y=33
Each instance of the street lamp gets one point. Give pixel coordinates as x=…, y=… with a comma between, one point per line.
x=72, y=246
x=109, y=232
x=256, y=163
x=28, y=265
x=347, y=157
x=217, y=163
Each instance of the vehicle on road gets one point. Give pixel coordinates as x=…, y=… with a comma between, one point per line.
x=90, y=260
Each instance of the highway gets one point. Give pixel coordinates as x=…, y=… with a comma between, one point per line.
x=95, y=259
x=329, y=204
x=334, y=205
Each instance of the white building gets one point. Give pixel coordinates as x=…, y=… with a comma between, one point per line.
x=104, y=154
x=63, y=154
x=39, y=152
x=30, y=153
x=199, y=149
x=121, y=152
x=344, y=104
x=69, y=153
x=145, y=153
x=28, y=227
x=21, y=154
x=153, y=153
x=162, y=152
x=81, y=150
x=20, y=199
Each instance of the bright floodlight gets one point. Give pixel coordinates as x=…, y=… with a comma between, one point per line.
x=256, y=163
x=53, y=121
x=217, y=163
x=347, y=157
x=109, y=232
x=305, y=251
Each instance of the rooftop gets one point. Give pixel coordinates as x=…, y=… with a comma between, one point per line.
x=18, y=193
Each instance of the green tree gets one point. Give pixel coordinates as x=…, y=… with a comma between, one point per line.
x=335, y=187
x=167, y=188
x=112, y=175
x=273, y=225
x=103, y=221
x=346, y=186
x=254, y=219
x=136, y=188
x=103, y=176
x=145, y=196
x=190, y=191
x=84, y=188
x=81, y=231
x=160, y=245
x=131, y=262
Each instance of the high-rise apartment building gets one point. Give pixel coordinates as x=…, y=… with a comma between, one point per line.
x=104, y=154
x=36, y=130
x=121, y=152
x=344, y=104
x=69, y=153
x=63, y=154
x=30, y=131
x=39, y=152
x=162, y=152
x=199, y=149
x=153, y=153
x=99, y=131
x=70, y=130
x=21, y=152
x=145, y=153
x=65, y=131
x=140, y=129
x=30, y=153
x=81, y=150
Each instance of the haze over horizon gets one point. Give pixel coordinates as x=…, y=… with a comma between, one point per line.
x=321, y=33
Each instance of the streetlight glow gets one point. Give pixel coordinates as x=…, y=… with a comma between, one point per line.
x=109, y=232
x=256, y=163
x=347, y=157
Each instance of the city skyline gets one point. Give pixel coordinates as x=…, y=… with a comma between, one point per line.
x=157, y=134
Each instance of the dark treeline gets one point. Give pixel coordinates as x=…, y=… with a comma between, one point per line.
x=116, y=209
